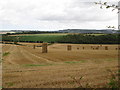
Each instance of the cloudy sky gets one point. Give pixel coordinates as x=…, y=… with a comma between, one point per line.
x=55, y=15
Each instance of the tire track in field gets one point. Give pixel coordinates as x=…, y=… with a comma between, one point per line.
x=29, y=56
x=16, y=57
x=19, y=55
x=36, y=52
x=26, y=56
x=9, y=58
x=6, y=48
x=36, y=56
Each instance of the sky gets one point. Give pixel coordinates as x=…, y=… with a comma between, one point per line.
x=55, y=15
x=119, y=16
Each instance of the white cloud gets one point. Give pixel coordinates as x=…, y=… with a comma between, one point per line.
x=54, y=14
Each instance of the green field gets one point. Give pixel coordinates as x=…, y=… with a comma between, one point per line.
x=45, y=34
x=38, y=37
x=50, y=38
x=65, y=38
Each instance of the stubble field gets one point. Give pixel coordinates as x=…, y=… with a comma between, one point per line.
x=25, y=67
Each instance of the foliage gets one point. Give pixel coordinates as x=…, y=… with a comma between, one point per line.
x=31, y=32
x=78, y=82
x=90, y=39
x=113, y=83
x=113, y=6
x=71, y=38
x=106, y=5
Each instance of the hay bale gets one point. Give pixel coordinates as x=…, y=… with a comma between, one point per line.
x=97, y=47
x=106, y=47
x=44, y=48
x=83, y=48
x=69, y=47
x=33, y=46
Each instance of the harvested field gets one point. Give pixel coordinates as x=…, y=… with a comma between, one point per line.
x=25, y=67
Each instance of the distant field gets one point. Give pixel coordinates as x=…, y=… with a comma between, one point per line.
x=49, y=37
x=40, y=34
x=53, y=34
x=69, y=38
x=45, y=38
x=96, y=34
x=40, y=37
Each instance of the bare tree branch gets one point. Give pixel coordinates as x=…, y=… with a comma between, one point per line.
x=113, y=6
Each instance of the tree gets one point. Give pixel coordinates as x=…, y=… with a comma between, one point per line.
x=102, y=4
x=113, y=6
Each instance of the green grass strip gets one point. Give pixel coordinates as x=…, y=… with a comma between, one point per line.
x=30, y=65
x=71, y=62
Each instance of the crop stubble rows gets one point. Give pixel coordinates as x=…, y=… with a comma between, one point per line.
x=50, y=70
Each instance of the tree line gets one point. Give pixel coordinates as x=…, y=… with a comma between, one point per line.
x=91, y=39
x=75, y=39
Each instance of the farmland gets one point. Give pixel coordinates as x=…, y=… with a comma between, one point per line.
x=37, y=37
x=25, y=67
x=65, y=38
